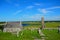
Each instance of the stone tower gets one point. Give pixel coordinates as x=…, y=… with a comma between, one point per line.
x=42, y=22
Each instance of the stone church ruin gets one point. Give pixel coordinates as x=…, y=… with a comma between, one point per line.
x=12, y=27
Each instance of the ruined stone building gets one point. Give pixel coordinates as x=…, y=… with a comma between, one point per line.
x=13, y=27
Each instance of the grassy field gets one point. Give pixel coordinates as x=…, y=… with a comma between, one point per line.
x=52, y=24
x=27, y=35
x=31, y=35
x=51, y=34
x=37, y=24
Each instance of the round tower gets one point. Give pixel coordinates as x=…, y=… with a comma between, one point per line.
x=42, y=22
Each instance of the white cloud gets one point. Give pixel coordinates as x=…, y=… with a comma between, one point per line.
x=37, y=4
x=47, y=9
x=58, y=17
x=54, y=7
x=17, y=12
x=12, y=2
x=37, y=16
x=44, y=11
x=29, y=7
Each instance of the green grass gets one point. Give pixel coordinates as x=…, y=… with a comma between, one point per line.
x=2, y=22
x=30, y=35
x=27, y=35
x=6, y=36
x=31, y=22
x=37, y=24
x=32, y=26
x=51, y=34
x=47, y=25
x=52, y=24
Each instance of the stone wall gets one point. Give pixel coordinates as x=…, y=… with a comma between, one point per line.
x=11, y=29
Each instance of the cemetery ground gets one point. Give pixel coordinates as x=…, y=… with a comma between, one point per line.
x=26, y=35
x=30, y=32
x=51, y=34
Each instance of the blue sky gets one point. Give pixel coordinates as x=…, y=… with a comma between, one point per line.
x=29, y=10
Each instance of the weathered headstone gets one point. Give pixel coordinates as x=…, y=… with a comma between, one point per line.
x=17, y=33
x=41, y=34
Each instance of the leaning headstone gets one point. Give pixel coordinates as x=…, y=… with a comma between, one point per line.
x=21, y=33
x=18, y=34
x=41, y=34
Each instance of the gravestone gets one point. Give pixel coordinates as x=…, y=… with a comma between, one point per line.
x=41, y=34
x=59, y=29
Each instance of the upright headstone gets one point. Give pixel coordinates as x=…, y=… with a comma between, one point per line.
x=42, y=22
x=58, y=29
x=17, y=33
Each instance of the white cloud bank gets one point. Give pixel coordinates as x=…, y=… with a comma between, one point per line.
x=17, y=12
x=29, y=7
x=54, y=7
x=36, y=16
x=58, y=17
x=46, y=10
x=37, y=4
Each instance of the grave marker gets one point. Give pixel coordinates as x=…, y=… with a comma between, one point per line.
x=59, y=29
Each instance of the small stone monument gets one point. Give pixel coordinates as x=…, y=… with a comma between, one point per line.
x=42, y=22
x=59, y=29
